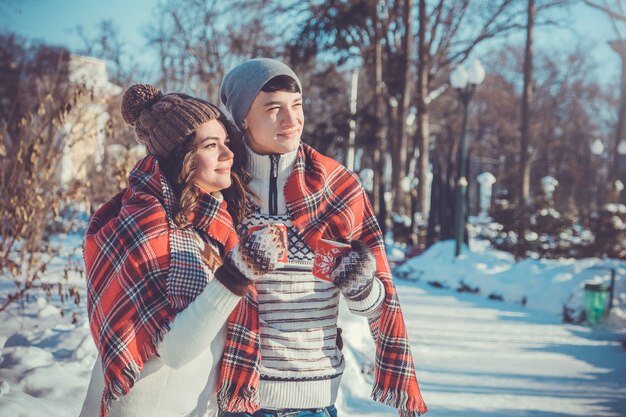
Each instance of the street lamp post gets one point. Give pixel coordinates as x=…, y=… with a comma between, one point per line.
x=618, y=185
x=619, y=46
x=465, y=82
x=597, y=150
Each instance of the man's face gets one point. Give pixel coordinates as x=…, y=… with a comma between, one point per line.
x=274, y=123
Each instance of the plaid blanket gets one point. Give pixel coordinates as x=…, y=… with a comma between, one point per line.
x=326, y=201
x=142, y=270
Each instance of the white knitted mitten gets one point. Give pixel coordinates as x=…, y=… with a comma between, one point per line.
x=354, y=273
x=256, y=254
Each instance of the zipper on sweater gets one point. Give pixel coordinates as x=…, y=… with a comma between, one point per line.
x=273, y=201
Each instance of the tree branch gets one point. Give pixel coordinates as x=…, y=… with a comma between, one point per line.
x=612, y=14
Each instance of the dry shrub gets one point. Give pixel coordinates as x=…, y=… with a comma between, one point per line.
x=37, y=104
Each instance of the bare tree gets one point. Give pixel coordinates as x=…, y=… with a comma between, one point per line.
x=616, y=11
x=197, y=42
x=123, y=70
x=400, y=151
x=523, y=189
x=421, y=141
x=449, y=32
x=380, y=151
x=39, y=109
x=190, y=45
x=105, y=42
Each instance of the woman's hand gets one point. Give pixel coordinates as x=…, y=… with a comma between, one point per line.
x=257, y=254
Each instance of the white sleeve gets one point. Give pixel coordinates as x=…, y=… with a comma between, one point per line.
x=193, y=329
x=371, y=305
x=93, y=398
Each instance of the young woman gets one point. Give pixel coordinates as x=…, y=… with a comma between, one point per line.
x=160, y=286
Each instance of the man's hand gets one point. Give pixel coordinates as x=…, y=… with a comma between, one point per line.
x=354, y=273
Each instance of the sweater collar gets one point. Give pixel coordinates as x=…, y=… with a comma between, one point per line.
x=260, y=166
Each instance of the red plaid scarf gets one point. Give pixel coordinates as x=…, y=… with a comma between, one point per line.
x=326, y=201
x=142, y=270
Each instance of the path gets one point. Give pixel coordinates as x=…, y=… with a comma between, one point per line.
x=483, y=358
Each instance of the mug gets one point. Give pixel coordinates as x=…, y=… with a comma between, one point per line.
x=326, y=256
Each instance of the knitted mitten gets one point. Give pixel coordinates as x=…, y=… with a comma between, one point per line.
x=354, y=273
x=256, y=254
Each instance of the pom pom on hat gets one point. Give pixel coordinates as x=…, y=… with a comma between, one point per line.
x=138, y=98
x=164, y=122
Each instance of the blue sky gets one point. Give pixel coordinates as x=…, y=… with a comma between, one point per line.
x=54, y=21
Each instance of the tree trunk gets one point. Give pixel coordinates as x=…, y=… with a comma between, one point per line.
x=619, y=47
x=381, y=145
x=350, y=144
x=423, y=129
x=401, y=153
x=523, y=191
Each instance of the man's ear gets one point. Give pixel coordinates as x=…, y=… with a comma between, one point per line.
x=244, y=125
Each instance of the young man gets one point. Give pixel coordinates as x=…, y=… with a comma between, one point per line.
x=281, y=351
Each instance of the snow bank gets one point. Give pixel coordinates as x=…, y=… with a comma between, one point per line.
x=545, y=285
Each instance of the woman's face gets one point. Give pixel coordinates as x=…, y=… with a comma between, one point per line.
x=213, y=158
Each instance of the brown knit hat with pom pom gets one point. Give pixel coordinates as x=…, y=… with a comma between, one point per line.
x=163, y=122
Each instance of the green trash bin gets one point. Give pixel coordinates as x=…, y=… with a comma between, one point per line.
x=595, y=301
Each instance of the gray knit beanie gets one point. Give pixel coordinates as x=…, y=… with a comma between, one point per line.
x=163, y=122
x=244, y=82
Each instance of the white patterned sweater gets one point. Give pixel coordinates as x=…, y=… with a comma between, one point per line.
x=301, y=366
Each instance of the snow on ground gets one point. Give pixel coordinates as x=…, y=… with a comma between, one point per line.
x=474, y=356
x=547, y=285
x=482, y=358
